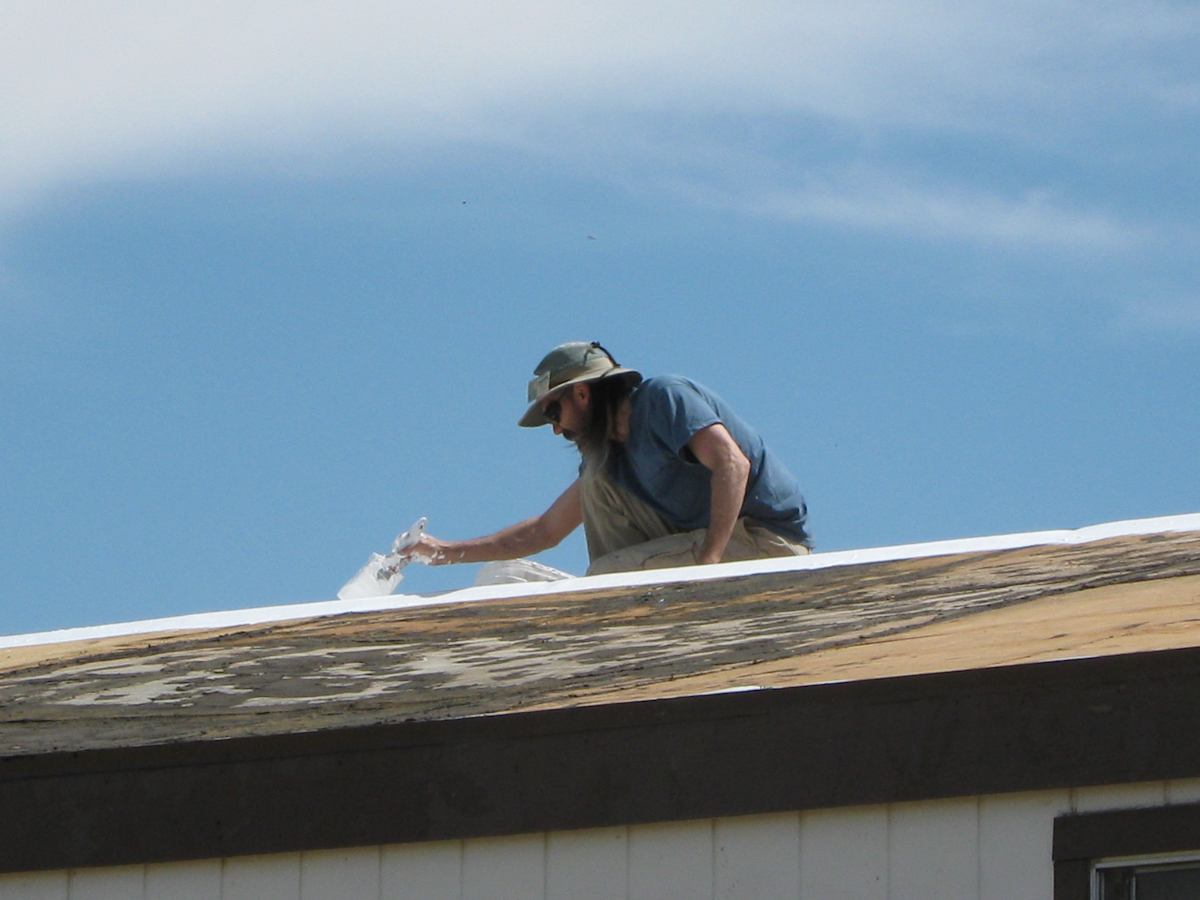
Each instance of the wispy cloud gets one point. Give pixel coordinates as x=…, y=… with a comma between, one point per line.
x=90, y=88
x=884, y=201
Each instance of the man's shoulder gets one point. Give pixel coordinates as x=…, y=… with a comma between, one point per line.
x=674, y=408
x=669, y=384
x=675, y=392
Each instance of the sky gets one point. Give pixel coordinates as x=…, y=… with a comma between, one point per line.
x=274, y=275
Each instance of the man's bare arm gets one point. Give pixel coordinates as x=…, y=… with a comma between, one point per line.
x=523, y=539
x=716, y=449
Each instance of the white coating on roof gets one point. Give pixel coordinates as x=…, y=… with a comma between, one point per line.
x=259, y=615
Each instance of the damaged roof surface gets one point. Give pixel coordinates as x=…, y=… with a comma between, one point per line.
x=611, y=645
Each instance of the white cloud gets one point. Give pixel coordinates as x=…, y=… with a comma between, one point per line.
x=88, y=88
x=884, y=201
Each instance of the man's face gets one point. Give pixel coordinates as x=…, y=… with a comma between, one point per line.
x=572, y=407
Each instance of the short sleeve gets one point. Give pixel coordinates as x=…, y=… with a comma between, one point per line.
x=676, y=411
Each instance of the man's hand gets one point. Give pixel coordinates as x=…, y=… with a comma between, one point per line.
x=716, y=449
x=435, y=552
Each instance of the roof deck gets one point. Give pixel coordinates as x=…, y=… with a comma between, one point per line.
x=593, y=642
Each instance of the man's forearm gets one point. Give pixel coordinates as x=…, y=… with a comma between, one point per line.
x=523, y=539
x=728, y=494
x=717, y=451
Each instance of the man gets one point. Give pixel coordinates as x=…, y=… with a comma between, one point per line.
x=670, y=475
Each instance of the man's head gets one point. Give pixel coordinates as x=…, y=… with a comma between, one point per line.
x=578, y=363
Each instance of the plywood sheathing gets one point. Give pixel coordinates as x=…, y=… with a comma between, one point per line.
x=440, y=662
x=1125, y=618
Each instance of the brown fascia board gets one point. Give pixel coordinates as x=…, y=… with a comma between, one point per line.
x=1105, y=720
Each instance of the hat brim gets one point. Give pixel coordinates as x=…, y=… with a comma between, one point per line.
x=534, y=417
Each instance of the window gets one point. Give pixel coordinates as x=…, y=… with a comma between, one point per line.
x=1147, y=878
x=1128, y=854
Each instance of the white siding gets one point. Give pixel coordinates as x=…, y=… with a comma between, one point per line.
x=184, y=881
x=340, y=874
x=757, y=856
x=593, y=864
x=933, y=850
x=127, y=882
x=1015, y=834
x=844, y=854
x=431, y=871
x=34, y=886
x=973, y=848
x=671, y=861
x=505, y=868
x=261, y=878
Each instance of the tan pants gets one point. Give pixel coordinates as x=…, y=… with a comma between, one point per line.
x=625, y=535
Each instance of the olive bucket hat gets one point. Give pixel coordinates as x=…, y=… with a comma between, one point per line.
x=569, y=364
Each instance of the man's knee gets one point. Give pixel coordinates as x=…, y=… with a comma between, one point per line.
x=665, y=552
x=748, y=541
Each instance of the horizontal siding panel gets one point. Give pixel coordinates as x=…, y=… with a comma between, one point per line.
x=933, y=850
x=340, y=874
x=505, y=868
x=34, y=886
x=757, y=856
x=275, y=877
x=117, y=883
x=671, y=862
x=588, y=865
x=429, y=871
x=844, y=854
x=1016, y=833
x=184, y=881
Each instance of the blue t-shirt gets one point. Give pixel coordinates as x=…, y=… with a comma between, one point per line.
x=657, y=466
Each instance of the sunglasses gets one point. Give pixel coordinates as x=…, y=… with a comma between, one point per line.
x=553, y=411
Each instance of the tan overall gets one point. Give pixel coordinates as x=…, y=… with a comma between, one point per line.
x=624, y=534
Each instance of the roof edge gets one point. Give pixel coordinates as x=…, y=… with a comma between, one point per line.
x=266, y=614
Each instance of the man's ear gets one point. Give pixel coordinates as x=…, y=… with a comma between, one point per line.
x=582, y=392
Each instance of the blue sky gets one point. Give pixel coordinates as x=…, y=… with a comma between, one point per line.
x=273, y=276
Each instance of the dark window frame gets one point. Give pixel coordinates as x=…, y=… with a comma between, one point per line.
x=1127, y=873
x=1083, y=839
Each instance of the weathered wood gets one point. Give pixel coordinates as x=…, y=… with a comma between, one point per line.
x=440, y=663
